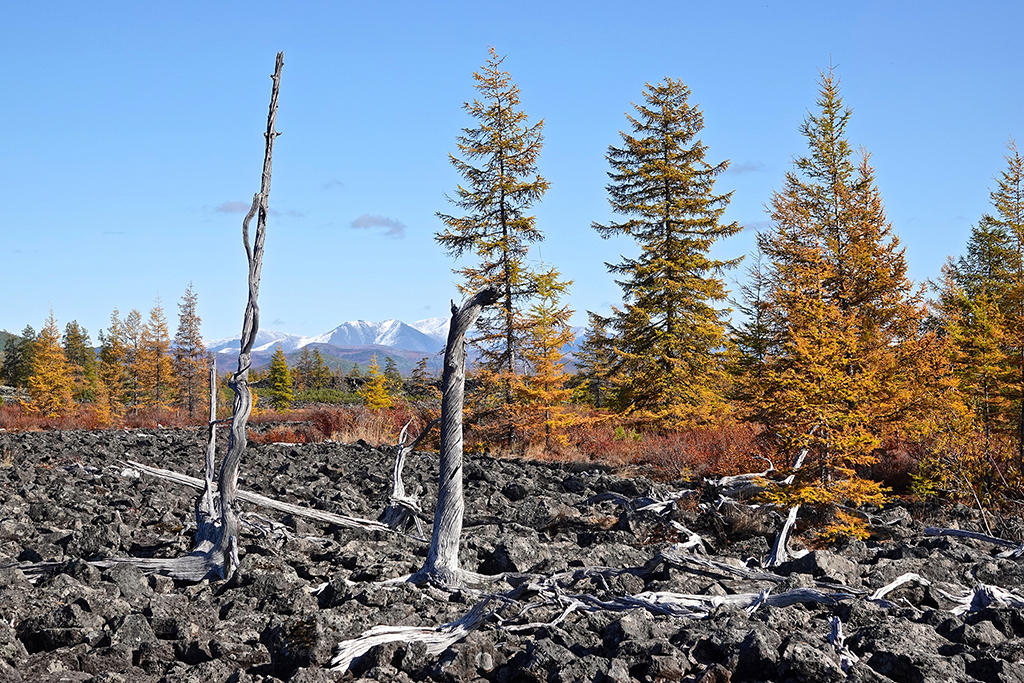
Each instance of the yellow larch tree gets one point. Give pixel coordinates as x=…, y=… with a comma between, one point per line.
x=156, y=369
x=498, y=161
x=544, y=396
x=848, y=364
x=375, y=390
x=50, y=383
x=113, y=365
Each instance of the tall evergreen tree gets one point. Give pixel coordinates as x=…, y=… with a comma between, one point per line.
x=113, y=369
x=1008, y=215
x=849, y=363
x=670, y=332
x=498, y=161
x=156, y=368
x=17, y=367
x=189, y=354
x=50, y=384
x=302, y=376
x=279, y=381
x=543, y=390
x=392, y=375
x=318, y=376
x=981, y=308
x=131, y=334
x=423, y=384
x=82, y=360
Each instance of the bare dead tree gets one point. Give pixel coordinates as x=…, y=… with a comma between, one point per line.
x=207, y=510
x=216, y=549
x=227, y=545
x=442, y=564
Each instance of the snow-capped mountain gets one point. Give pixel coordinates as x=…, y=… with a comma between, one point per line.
x=392, y=333
x=266, y=340
x=358, y=341
x=435, y=328
x=423, y=336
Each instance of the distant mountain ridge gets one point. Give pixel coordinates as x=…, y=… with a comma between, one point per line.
x=357, y=341
x=427, y=336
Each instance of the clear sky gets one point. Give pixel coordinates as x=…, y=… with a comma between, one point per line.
x=132, y=132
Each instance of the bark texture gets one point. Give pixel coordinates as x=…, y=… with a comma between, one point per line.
x=442, y=565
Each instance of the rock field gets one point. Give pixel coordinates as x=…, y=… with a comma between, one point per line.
x=304, y=587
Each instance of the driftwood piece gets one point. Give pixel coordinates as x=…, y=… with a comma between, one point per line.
x=442, y=564
x=344, y=521
x=982, y=596
x=437, y=639
x=838, y=641
x=1014, y=549
x=910, y=577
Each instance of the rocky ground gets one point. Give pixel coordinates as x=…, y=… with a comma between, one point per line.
x=66, y=496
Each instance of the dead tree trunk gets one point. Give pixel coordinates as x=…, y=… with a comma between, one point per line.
x=780, y=549
x=216, y=551
x=207, y=510
x=227, y=546
x=442, y=565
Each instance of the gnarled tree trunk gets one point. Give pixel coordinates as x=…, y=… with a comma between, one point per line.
x=442, y=565
x=227, y=546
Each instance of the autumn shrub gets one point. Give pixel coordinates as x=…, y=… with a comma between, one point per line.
x=284, y=434
x=844, y=525
x=710, y=450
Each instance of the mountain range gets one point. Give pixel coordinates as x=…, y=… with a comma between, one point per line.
x=356, y=341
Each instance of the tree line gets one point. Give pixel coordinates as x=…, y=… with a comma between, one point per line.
x=832, y=348
x=136, y=365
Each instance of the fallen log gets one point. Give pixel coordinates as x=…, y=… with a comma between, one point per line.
x=344, y=521
x=1015, y=550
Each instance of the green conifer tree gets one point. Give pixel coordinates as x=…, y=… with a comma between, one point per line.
x=191, y=364
x=498, y=161
x=82, y=360
x=17, y=366
x=671, y=331
x=279, y=381
x=392, y=375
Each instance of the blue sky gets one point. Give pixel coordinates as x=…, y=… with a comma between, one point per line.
x=132, y=131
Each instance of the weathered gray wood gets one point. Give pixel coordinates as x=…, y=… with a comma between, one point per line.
x=977, y=536
x=846, y=656
x=442, y=564
x=345, y=521
x=437, y=639
x=227, y=545
x=207, y=511
x=982, y=596
x=404, y=509
x=780, y=549
x=910, y=577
